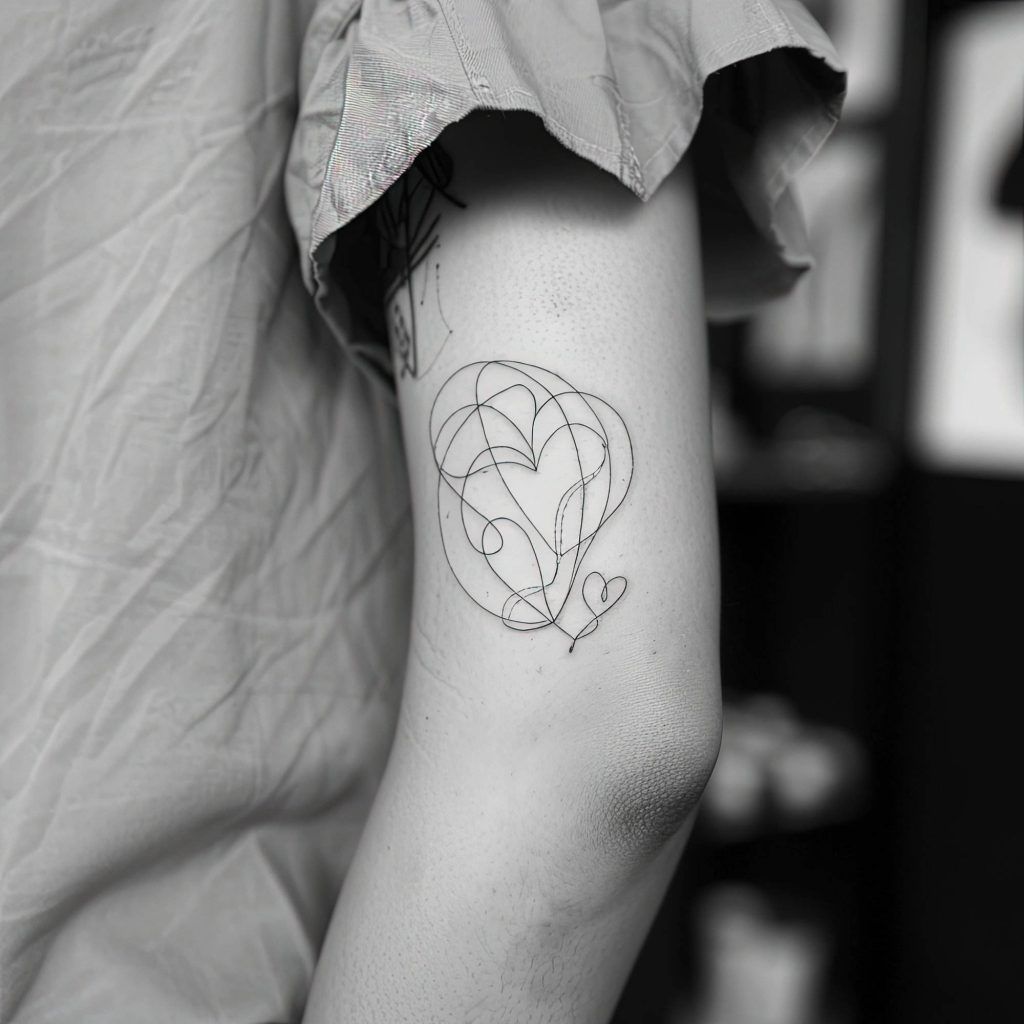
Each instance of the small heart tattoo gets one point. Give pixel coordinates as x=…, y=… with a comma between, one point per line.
x=600, y=594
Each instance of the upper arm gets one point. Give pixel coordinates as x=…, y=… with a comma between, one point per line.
x=547, y=333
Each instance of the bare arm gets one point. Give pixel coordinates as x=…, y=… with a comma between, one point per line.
x=561, y=706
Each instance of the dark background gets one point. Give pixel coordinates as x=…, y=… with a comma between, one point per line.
x=888, y=605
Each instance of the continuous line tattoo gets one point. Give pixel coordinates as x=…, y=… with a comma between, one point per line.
x=529, y=470
x=408, y=222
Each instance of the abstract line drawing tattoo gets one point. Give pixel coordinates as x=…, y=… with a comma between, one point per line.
x=408, y=222
x=529, y=471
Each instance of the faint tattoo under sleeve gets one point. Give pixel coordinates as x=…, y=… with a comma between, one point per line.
x=530, y=469
x=408, y=221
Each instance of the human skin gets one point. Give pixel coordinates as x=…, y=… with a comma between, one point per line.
x=537, y=798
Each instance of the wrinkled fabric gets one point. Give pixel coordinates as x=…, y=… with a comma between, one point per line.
x=204, y=531
x=204, y=541
x=624, y=84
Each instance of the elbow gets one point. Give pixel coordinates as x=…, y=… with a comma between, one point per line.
x=646, y=794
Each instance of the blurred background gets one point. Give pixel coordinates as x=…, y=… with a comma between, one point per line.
x=857, y=851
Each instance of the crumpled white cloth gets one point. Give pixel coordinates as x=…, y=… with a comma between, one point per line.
x=204, y=539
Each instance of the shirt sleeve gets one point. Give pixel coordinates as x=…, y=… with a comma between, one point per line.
x=752, y=88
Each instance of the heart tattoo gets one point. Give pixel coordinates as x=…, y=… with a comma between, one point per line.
x=530, y=469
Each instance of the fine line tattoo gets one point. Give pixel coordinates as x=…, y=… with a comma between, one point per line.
x=529, y=470
x=408, y=222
